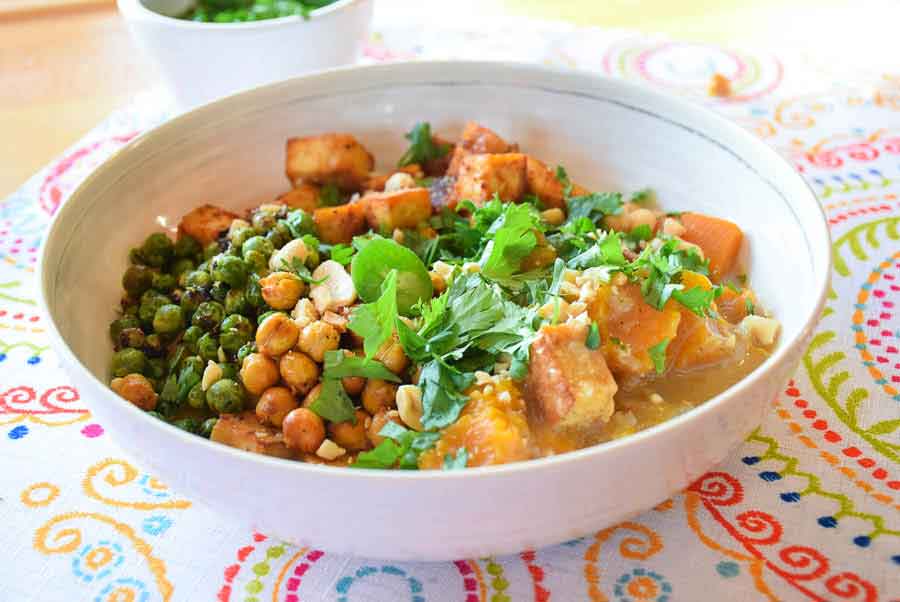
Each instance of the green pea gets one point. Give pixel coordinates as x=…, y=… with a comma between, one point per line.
x=218, y=291
x=117, y=326
x=245, y=350
x=258, y=244
x=198, y=279
x=154, y=346
x=253, y=292
x=168, y=319
x=277, y=237
x=191, y=425
x=164, y=283
x=300, y=222
x=157, y=250
x=263, y=221
x=187, y=247
x=262, y=317
x=128, y=361
x=208, y=347
x=207, y=427
x=225, y=396
x=156, y=368
x=208, y=315
x=230, y=270
x=181, y=268
x=157, y=415
x=131, y=337
x=238, y=322
x=256, y=262
x=137, y=279
x=197, y=397
x=191, y=337
x=211, y=250
x=236, y=302
x=191, y=299
x=239, y=236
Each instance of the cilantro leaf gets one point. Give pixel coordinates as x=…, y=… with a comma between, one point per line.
x=563, y=179
x=374, y=322
x=342, y=253
x=422, y=146
x=400, y=445
x=338, y=365
x=299, y=268
x=639, y=233
x=594, y=206
x=645, y=196
x=457, y=463
x=748, y=304
x=606, y=252
x=697, y=299
x=658, y=355
x=513, y=239
x=442, y=397
x=333, y=403
x=329, y=196
x=593, y=337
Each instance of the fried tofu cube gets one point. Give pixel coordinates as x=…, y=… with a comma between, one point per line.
x=206, y=223
x=483, y=176
x=570, y=384
x=304, y=196
x=542, y=181
x=328, y=159
x=245, y=431
x=476, y=140
x=405, y=208
x=340, y=224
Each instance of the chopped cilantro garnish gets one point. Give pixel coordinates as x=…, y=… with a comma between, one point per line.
x=742, y=278
x=645, y=196
x=342, y=253
x=374, y=322
x=617, y=342
x=401, y=448
x=458, y=462
x=422, y=147
x=513, y=238
x=606, y=252
x=593, y=337
x=751, y=309
x=333, y=403
x=442, y=397
x=658, y=355
x=639, y=233
x=563, y=179
x=338, y=365
x=594, y=206
x=697, y=299
x=731, y=285
x=329, y=196
x=299, y=268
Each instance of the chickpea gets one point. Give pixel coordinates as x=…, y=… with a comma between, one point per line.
x=274, y=404
x=351, y=437
x=276, y=335
x=391, y=355
x=317, y=338
x=378, y=395
x=281, y=290
x=258, y=373
x=377, y=423
x=136, y=389
x=642, y=217
x=303, y=430
x=353, y=385
x=312, y=396
x=299, y=372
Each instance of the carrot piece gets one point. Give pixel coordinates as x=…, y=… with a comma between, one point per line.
x=720, y=240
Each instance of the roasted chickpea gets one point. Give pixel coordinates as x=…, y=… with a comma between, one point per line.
x=378, y=395
x=377, y=423
x=276, y=335
x=303, y=430
x=299, y=371
x=391, y=355
x=312, y=396
x=258, y=373
x=351, y=437
x=274, y=404
x=136, y=389
x=318, y=337
x=281, y=290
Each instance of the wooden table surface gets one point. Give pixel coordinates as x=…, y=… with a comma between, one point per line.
x=66, y=64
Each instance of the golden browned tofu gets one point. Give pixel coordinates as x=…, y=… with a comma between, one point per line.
x=304, y=196
x=245, y=431
x=568, y=383
x=206, y=223
x=328, y=159
x=341, y=223
x=542, y=181
x=401, y=209
x=483, y=176
x=475, y=140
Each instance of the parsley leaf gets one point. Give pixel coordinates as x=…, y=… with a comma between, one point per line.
x=422, y=147
x=697, y=299
x=658, y=355
x=563, y=179
x=333, y=403
x=374, y=322
x=593, y=337
x=457, y=463
x=342, y=253
x=338, y=365
x=594, y=206
x=329, y=196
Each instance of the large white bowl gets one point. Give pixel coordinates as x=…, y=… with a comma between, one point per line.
x=608, y=133
x=203, y=61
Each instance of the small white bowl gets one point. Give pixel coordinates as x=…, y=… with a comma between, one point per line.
x=609, y=134
x=204, y=61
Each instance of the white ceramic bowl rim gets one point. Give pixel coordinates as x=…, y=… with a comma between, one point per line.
x=136, y=8
x=786, y=348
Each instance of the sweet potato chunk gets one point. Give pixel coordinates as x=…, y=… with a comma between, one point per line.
x=700, y=341
x=483, y=176
x=569, y=383
x=328, y=159
x=206, y=223
x=542, y=182
x=245, y=431
x=401, y=209
x=304, y=196
x=341, y=223
x=720, y=240
x=477, y=139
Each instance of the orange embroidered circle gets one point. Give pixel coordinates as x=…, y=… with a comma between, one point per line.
x=39, y=494
x=122, y=594
x=642, y=588
x=98, y=557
